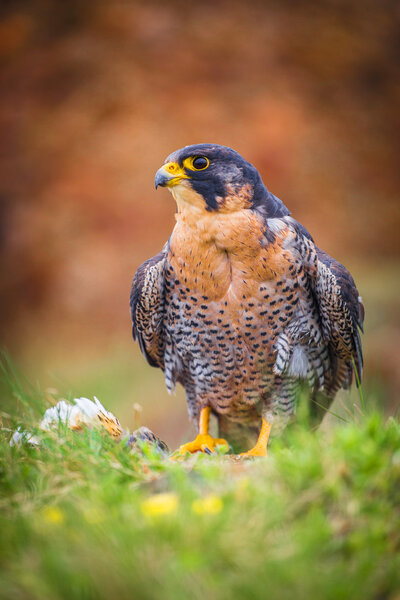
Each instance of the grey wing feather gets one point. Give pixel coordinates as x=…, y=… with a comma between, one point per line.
x=342, y=313
x=147, y=302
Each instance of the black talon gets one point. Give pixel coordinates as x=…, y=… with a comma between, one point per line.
x=207, y=450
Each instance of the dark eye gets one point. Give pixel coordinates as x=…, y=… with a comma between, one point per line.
x=200, y=163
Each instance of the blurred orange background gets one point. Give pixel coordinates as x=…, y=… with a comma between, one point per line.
x=96, y=94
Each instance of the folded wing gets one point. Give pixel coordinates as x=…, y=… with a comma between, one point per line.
x=342, y=314
x=147, y=304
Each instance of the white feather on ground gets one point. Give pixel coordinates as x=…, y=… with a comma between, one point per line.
x=83, y=413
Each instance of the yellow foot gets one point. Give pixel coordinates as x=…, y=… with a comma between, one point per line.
x=256, y=451
x=260, y=449
x=203, y=443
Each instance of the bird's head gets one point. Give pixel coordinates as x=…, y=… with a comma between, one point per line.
x=212, y=178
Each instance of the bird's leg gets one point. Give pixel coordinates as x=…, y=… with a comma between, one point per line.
x=203, y=441
x=260, y=449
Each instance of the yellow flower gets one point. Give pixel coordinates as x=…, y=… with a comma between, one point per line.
x=160, y=504
x=207, y=505
x=52, y=514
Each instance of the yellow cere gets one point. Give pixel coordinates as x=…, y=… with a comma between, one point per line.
x=208, y=505
x=174, y=169
x=52, y=514
x=160, y=504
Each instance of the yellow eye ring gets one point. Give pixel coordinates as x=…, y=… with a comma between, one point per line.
x=196, y=163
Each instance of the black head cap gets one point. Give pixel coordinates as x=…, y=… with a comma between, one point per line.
x=227, y=170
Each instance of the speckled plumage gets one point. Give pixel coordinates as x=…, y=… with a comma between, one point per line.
x=240, y=307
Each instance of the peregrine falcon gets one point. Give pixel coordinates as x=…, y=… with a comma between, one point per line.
x=240, y=306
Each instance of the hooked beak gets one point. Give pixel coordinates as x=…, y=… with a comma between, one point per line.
x=169, y=174
x=162, y=178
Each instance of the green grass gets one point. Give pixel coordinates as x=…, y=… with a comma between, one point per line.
x=319, y=518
